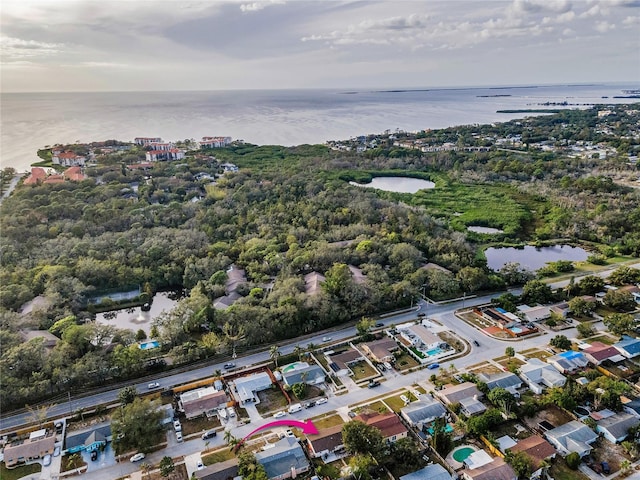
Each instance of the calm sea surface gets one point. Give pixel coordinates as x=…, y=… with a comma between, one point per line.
x=286, y=117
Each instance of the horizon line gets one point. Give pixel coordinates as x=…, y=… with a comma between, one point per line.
x=384, y=89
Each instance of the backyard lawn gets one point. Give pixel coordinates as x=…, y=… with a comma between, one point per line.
x=405, y=361
x=395, y=403
x=326, y=422
x=362, y=370
x=536, y=353
x=560, y=471
x=218, y=456
x=18, y=472
x=199, y=424
x=271, y=400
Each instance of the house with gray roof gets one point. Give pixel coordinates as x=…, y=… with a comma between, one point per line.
x=302, y=372
x=574, y=436
x=435, y=471
x=539, y=375
x=507, y=380
x=421, y=413
x=472, y=406
x=616, y=428
x=285, y=460
x=219, y=471
x=456, y=393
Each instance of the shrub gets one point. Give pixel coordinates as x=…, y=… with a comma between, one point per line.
x=573, y=460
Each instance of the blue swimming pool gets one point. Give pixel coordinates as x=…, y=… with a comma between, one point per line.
x=434, y=351
x=149, y=345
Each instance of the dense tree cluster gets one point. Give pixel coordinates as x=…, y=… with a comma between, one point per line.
x=286, y=213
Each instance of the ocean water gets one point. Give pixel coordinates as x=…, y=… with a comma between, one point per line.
x=30, y=121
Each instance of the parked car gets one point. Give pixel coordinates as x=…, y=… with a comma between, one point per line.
x=475, y=342
x=229, y=365
x=388, y=366
x=379, y=325
x=279, y=414
x=605, y=468
x=177, y=425
x=94, y=455
x=209, y=434
x=296, y=407
x=326, y=339
x=289, y=433
x=200, y=465
x=231, y=412
x=46, y=460
x=404, y=398
x=59, y=426
x=320, y=401
x=137, y=457
x=153, y=385
x=179, y=437
x=309, y=404
x=373, y=383
x=56, y=451
x=433, y=366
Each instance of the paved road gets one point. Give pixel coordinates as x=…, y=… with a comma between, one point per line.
x=12, y=185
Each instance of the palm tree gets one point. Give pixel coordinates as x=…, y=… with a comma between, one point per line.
x=297, y=350
x=75, y=460
x=146, y=468
x=274, y=354
x=311, y=347
x=625, y=465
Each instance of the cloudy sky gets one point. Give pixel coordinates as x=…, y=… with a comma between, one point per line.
x=96, y=45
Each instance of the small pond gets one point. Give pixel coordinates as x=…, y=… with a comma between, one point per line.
x=488, y=230
x=533, y=258
x=134, y=318
x=397, y=184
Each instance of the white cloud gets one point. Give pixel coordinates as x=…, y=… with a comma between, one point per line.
x=257, y=6
x=631, y=20
x=17, y=48
x=604, y=26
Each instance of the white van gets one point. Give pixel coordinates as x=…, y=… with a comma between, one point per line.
x=296, y=407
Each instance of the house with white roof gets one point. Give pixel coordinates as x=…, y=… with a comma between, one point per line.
x=435, y=471
x=419, y=336
x=482, y=466
x=202, y=400
x=535, y=314
x=246, y=387
x=574, y=436
x=539, y=375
